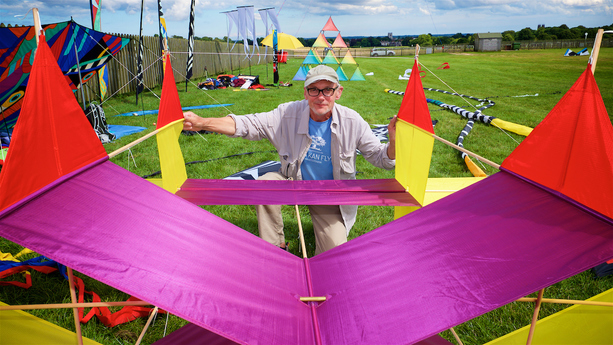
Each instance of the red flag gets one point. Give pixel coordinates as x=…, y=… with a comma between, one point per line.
x=571, y=150
x=414, y=108
x=50, y=114
x=170, y=105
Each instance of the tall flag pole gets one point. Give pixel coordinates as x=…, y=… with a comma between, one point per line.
x=163, y=36
x=275, y=59
x=190, y=46
x=139, y=73
x=103, y=76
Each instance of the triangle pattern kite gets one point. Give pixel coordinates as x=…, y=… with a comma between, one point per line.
x=348, y=59
x=339, y=42
x=321, y=42
x=357, y=75
x=341, y=74
x=301, y=73
x=329, y=25
x=330, y=59
x=312, y=58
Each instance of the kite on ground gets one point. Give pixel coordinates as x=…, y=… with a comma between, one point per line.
x=389, y=285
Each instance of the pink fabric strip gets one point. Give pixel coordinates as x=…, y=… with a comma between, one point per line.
x=382, y=192
x=122, y=230
x=455, y=259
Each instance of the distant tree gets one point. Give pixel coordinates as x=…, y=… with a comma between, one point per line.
x=458, y=35
x=525, y=34
x=406, y=41
x=176, y=36
x=424, y=40
x=2, y=25
x=508, y=35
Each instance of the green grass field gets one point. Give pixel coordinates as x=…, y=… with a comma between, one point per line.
x=525, y=85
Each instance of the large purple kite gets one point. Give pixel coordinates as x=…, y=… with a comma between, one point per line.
x=399, y=284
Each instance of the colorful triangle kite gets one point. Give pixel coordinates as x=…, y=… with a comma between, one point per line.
x=329, y=25
x=312, y=58
x=321, y=42
x=341, y=74
x=348, y=59
x=330, y=58
x=357, y=75
x=338, y=42
x=301, y=73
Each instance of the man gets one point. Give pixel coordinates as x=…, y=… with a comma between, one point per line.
x=316, y=140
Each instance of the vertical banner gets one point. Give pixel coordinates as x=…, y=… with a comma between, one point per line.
x=163, y=36
x=103, y=76
x=96, y=14
x=264, y=15
x=242, y=28
x=139, y=66
x=275, y=58
x=190, y=46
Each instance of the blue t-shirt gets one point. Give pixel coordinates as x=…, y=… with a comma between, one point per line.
x=317, y=164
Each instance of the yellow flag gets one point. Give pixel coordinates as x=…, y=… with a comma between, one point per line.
x=413, y=152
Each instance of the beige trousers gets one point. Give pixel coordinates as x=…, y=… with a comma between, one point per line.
x=327, y=221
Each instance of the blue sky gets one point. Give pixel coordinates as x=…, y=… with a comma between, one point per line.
x=307, y=18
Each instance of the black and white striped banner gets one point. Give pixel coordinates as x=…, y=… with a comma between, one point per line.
x=190, y=46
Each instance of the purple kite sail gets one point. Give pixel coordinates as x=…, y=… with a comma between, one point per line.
x=383, y=192
x=401, y=283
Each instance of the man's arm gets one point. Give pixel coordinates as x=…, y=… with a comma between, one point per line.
x=222, y=125
x=391, y=133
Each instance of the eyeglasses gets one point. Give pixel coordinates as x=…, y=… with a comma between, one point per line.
x=327, y=92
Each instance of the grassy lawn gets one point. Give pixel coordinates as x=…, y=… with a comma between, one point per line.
x=525, y=85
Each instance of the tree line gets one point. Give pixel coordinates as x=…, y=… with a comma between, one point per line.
x=542, y=33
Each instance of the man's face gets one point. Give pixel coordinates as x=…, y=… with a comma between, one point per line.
x=320, y=105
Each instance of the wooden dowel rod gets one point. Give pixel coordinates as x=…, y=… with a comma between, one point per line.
x=313, y=299
x=75, y=311
x=304, y=253
x=455, y=335
x=566, y=301
x=73, y=305
x=37, y=26
x=535, y=316
x=596, y=48
x=142, y=334
x=459, y=148
x=134, y=143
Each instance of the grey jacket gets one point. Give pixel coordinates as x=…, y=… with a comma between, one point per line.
x=287, y=128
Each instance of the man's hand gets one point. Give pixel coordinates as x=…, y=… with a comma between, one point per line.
x=191, y=121
x=224, y=125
